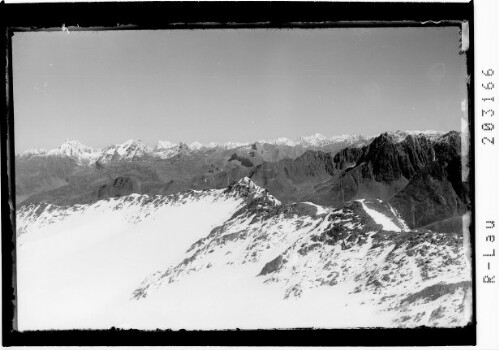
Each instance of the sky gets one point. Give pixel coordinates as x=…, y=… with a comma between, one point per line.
x=105, y=87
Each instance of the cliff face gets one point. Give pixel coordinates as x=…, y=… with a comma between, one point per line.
x=419, y=176
x=429, y=197
x=437, y=191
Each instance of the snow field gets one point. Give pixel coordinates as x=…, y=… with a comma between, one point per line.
x=380, y=218
x=72, y=272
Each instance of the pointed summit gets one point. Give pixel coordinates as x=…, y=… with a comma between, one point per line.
x=76, y=150
x=129, y=150
x=247, y=188
x=246, y=182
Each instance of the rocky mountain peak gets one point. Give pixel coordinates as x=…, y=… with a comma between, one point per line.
x=129, y=150
x=75, y=150
x=133, y=143
x=72, y=144
x=183, y=146
x=246, y=188
x=74, y=147
x=453, y=138
x=246, y=184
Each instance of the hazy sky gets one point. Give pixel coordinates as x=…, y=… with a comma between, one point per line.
x=233, y=85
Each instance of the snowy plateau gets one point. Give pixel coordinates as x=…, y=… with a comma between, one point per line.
x=234, y=257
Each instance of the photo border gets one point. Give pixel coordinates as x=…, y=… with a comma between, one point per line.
x=211, y=15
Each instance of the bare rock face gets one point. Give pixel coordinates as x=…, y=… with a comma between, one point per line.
x=121, y=186
x=385, y=164
x=428, y=197
x=347, y=158
x=307, y=168
x=419, y=176
x=437, y=191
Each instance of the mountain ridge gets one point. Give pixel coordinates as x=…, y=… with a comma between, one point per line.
x=250, y=253
x=74, y=148
x=387, y=167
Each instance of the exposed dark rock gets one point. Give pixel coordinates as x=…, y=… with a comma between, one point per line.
x=244, y=161
x=347, y=158
x=273, y=265
x=121, y=186
x=436, y=291
x=428, y=197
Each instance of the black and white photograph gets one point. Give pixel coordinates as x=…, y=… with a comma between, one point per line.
x=206, y=179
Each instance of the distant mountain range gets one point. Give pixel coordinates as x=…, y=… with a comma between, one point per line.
x=135, y=148
x=418, y=172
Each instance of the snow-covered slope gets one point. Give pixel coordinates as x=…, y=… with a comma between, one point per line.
x=235, y=257
x=297, y=253
x=75, y=263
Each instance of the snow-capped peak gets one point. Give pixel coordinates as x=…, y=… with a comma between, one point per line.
x=165, y=145
x=284, y=141
x=316, y=140
x=246, y=186
x=347, y=138
x=133, y=143
x=76, y=150
x=400, y=135
x=231, y=145
x=34, y=151
x=166, y=149
x=227, y=145
x=128, y=150
x=74, y=147
x=248, y=189
x=246, y=181
x=195, y=145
